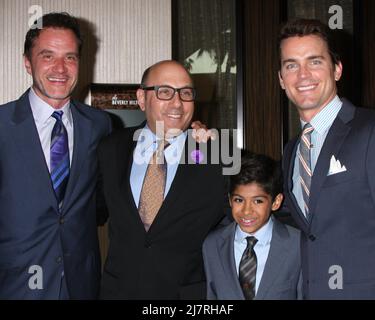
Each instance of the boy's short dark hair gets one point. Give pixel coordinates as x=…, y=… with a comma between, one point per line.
x=260, y=169
x=58, y=20
x=308, y=27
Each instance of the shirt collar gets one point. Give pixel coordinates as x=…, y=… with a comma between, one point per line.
x=149, y=139
x=42, y=111
x=324, y=119
x=263, y=235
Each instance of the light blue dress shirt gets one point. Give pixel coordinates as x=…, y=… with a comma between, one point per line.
x=146, y=146
x=44, y=122
x=321, y=123
x=261, y=248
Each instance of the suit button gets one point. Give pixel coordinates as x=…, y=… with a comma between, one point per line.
x=61, y=221
x=312, y=237
x=147, y=244
x=58, y=260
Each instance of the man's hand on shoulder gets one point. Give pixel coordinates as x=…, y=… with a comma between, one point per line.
x=201, y=133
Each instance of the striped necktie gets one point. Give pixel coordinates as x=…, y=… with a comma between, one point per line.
x=152, y=193
x=305, y=170
x=59, y=157
x=248, y=269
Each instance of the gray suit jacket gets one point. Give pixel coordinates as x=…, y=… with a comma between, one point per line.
x=282, y=273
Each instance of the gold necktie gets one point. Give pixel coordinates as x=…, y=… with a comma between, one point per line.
x=152, y=193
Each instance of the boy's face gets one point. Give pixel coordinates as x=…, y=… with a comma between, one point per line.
x=252, y=206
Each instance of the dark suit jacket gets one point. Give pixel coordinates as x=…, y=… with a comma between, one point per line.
x=165, y=262
x=281, y=277
x=341, y=231
x=32, y=232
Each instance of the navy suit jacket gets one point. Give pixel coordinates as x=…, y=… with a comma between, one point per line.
x=338, y=241
x=281, y=279
x=32, y=232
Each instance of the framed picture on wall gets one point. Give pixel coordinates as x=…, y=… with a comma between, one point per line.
x=114, y=96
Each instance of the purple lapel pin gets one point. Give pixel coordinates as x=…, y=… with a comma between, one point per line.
x=197, y=156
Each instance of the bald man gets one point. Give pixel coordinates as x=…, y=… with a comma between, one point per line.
x=160, y=209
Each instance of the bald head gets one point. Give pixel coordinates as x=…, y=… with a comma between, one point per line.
x=162, y=66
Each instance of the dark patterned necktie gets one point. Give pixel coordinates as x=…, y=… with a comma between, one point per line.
x=152, y=193
x=248, y=269
x=59, y=157
x=305, y=171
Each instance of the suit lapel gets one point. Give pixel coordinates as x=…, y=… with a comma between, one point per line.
x=126, y=174
x=124, y=162
x=225, y=247
x=82, y=127
x=276, y=257
x=26, y=139
x=331, y=146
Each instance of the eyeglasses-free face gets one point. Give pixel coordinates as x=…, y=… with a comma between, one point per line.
x=165, y=92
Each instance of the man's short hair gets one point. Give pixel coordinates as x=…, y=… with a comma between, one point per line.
x=259, y=169
x=308, y=27
x=57, y=20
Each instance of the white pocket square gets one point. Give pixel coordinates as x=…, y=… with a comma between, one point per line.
x=335, y=166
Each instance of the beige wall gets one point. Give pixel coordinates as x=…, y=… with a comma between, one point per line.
x=131, y=35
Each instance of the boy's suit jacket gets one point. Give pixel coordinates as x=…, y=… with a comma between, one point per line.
x=282, y=273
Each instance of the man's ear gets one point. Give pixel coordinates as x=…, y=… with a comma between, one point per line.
x=141, y=96
x=281, y=81
x=277, y=202
x=27, y=64
x=338, y=71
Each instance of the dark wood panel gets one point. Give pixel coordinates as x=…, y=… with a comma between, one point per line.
x=262, y=93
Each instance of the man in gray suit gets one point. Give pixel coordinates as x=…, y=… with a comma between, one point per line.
x=269, y=266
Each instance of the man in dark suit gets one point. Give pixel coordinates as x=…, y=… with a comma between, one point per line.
x=156, y=253
x=329, y=170
x=48, y=169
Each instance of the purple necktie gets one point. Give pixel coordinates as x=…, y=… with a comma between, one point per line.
x=59, y=157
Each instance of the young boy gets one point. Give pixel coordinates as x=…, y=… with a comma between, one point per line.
x=254, y=257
